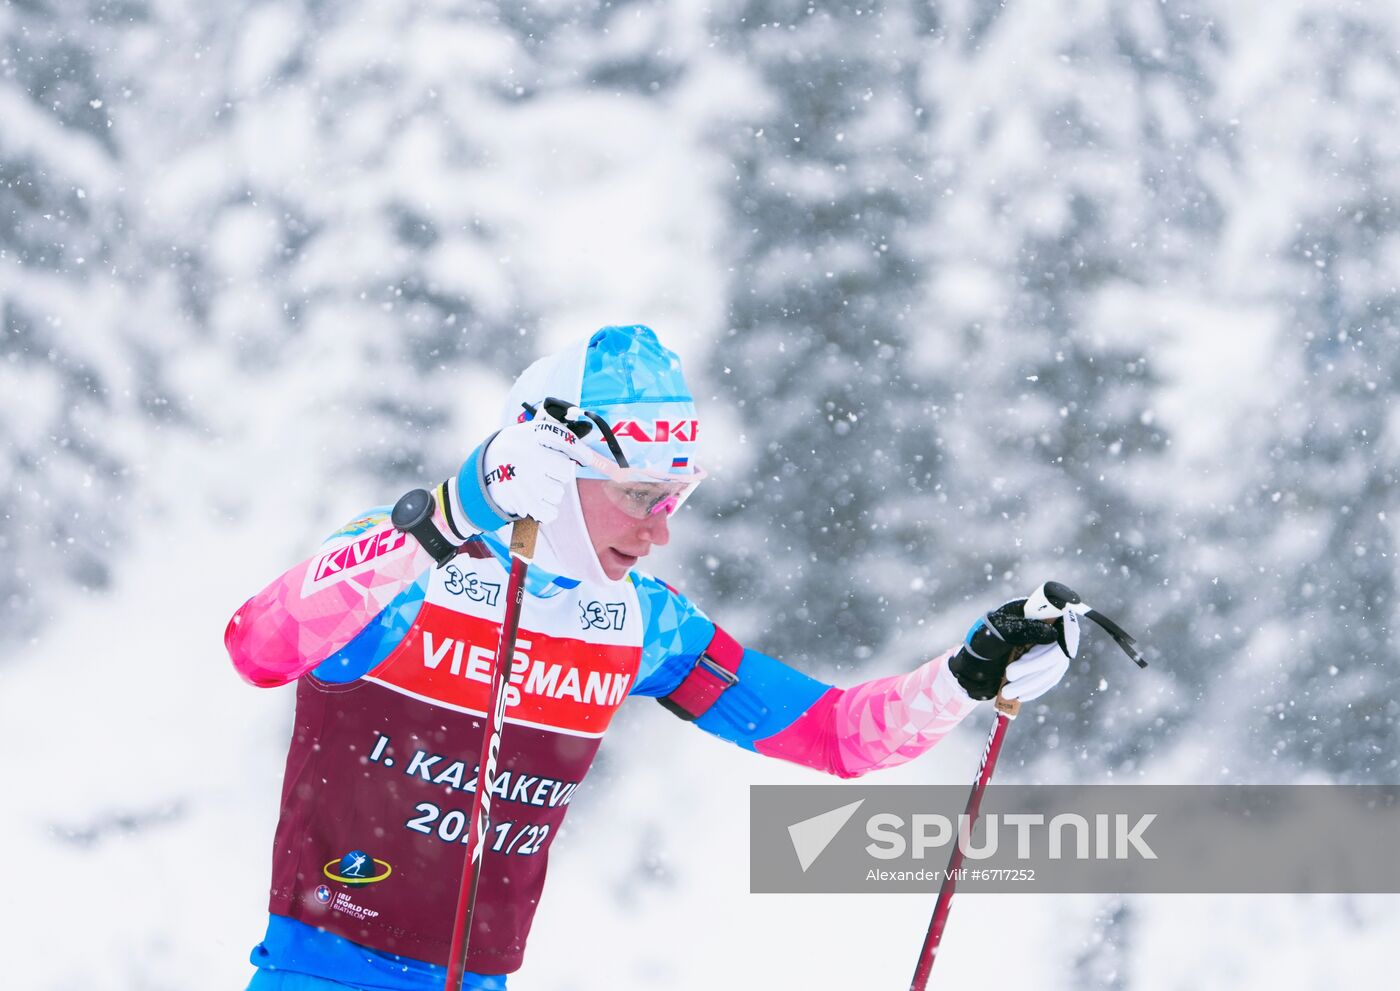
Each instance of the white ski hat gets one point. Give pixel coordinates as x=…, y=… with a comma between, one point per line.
x=626, y=376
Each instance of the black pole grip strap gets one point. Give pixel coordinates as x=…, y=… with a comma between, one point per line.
x=1117, y=632
x=559, y=409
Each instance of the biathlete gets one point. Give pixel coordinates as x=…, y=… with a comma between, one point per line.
x=391, y=656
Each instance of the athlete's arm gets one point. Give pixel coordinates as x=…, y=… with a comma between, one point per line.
x=776, y=710
x=356, y=597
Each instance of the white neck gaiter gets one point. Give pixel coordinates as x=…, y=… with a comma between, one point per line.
x=565, y=547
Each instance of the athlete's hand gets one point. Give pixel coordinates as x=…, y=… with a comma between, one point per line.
x=527, y=465
x=985, y=657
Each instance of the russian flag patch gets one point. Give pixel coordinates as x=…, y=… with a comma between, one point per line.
x=680, y=462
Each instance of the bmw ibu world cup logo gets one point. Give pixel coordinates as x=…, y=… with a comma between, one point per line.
x=356, y=867
x=323, y=894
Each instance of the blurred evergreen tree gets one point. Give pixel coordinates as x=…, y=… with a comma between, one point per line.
x=1073, y=176
x=255, y=191
x=1326, y=505
x=344, y=243
x=73, y=365
x=822, y=534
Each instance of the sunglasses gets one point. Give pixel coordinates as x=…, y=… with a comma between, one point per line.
x=642, y=494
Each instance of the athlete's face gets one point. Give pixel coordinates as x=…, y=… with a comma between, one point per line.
x=619, y=539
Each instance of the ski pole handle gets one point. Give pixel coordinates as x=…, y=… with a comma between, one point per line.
x=522, y=538
x=1052, y=600
x=1010, y=708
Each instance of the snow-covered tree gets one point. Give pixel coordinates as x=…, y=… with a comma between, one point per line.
x=1322, y=510
x=1074, y=187
x=828, y=537
x=78, y=383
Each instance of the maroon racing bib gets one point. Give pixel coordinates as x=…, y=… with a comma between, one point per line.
x=381, y=771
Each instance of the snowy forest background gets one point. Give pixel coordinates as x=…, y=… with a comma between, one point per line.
x=972, y=294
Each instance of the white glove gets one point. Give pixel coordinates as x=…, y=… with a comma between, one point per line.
x=1040, y=669
x=526, y=466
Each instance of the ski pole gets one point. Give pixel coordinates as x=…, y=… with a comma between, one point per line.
x=1007, y=710
x=1049, y=602
x=522, y=550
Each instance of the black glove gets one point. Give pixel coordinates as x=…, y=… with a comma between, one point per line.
x=993, y=643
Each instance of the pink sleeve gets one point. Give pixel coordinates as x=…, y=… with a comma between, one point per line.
x=880, y=723
x=320, y=605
